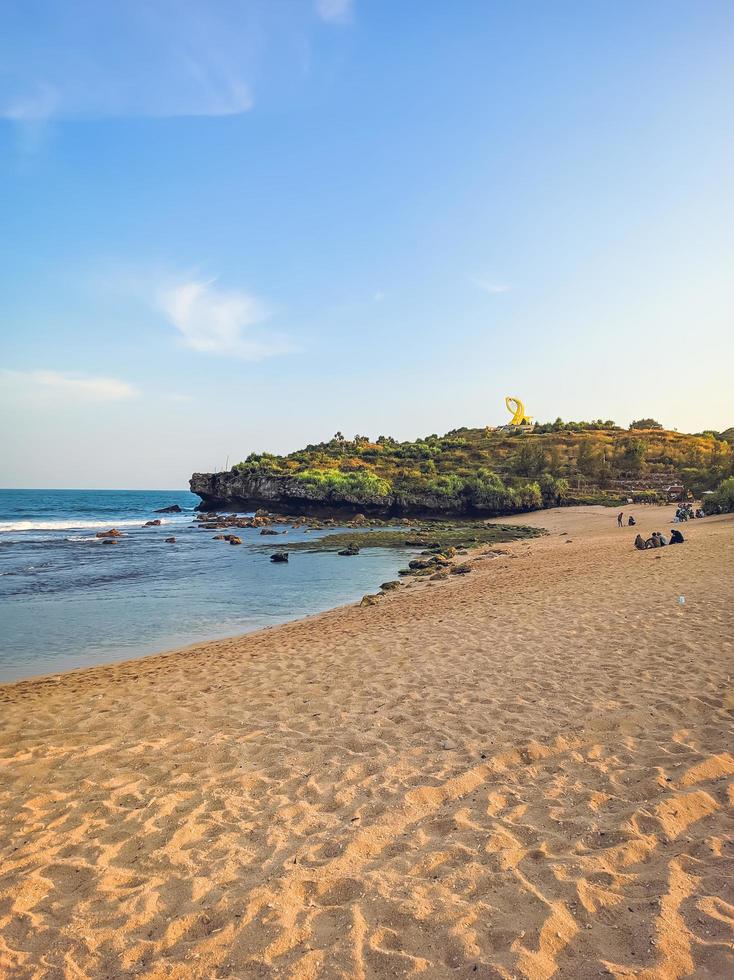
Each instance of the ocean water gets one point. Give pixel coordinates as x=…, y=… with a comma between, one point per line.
x=67, y=600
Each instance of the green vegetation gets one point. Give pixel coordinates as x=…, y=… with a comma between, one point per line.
x=499, y=471
x=721, y=501
x=359, y=484
x=645, y=424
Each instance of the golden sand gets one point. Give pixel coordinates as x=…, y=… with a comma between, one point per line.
x=523, y=772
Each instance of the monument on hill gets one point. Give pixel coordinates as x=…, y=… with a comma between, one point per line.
x=517, y=410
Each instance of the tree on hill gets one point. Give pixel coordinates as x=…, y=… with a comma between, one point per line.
x=630, y=456
x=530, y=460
x=588, y=458
x=645, y=424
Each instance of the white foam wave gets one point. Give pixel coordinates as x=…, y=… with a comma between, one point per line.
x=74, y=525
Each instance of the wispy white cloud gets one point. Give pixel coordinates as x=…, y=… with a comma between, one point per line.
x=88, y=60
x=219, y=321
x=335, y=11
x=75, y=387
x=491, y=287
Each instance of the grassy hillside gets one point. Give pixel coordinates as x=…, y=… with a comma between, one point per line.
x=501, y=471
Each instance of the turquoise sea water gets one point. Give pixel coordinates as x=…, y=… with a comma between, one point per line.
x=67, y=600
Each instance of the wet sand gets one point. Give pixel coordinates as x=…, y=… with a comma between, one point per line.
x=527, y=771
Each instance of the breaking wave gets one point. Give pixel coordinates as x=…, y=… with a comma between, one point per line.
x=79, y=525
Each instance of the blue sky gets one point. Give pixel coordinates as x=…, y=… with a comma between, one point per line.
x=239, y=226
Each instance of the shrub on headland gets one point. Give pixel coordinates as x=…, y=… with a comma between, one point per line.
x=355, y=484
x=721, y=501
x=645, y=424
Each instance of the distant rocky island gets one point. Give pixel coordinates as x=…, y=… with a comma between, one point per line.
x=477, y=472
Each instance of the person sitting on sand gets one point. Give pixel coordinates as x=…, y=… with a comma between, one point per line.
x=652, y=542
x=662, y=540
x=631, y=522
x=676, y=537
x=620, y=518
x=640, y=543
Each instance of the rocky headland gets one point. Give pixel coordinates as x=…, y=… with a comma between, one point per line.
x=475, y=472
x=235, y=490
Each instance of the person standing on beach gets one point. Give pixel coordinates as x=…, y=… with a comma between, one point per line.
x=620, y=518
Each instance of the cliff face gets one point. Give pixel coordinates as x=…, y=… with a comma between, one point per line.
x=237, y=491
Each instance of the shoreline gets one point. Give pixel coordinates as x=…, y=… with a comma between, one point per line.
x=531, y=519
x=525, y=770
x=375, y=539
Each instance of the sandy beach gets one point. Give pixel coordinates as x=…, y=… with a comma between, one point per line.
x=527, y=771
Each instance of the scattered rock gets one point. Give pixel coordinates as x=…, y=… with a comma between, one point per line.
x=448, y=743
x=279, y=556
x=351, y=549
x=461, y=569
x=112, y=533
x=109, y=541
x=218, y=537
x=269, y=530
x=440, y=576
x=420, y=563
x=155, y=523
x=170, y=540
x=390, y=586
x=369, y=600
x=233, y=539
x=173, y=509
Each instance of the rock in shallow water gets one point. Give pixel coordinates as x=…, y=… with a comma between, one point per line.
x=279, y=557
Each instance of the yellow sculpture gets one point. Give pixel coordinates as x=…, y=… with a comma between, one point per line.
x=518, y=411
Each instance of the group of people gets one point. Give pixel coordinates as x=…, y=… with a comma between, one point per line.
x=658, y=540
x=686, y=513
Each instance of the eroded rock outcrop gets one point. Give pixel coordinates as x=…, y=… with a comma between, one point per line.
x=234, y=490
